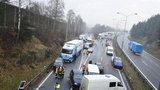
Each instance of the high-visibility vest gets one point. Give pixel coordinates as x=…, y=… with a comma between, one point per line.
x=57, y=86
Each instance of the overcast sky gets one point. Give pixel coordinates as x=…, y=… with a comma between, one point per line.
x=104, y=11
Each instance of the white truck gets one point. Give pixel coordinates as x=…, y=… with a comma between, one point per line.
x=71, y=50
x=101, y=82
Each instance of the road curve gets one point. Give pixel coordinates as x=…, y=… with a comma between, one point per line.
x=149, y=65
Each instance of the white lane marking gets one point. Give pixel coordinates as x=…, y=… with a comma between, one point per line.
x=87, y=58
x=144, y=62
x=81, y=62
x=101, y=59
x=122, y=79
x=44, y=80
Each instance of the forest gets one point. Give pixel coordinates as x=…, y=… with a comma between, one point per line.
x=148, y=31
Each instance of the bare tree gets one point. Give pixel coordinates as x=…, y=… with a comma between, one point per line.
x=70, y=24
x=55, y=10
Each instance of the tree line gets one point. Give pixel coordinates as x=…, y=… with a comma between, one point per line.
x=98, y=28
x=47, y=22
x=148, y=30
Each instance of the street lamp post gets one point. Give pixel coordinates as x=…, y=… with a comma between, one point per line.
x=126, y=18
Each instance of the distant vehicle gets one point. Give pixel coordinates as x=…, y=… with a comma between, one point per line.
x=101, y=82
x=58, y=62
x=75, y=78
x=117, y=63
x=22, y=85
x=92, y=69
x=71, y=50
x=108, y=43
x=90, y=50
x=135, y=47
x=82, y=37
x=109, y=50
x=101, y=68
x=88, y=45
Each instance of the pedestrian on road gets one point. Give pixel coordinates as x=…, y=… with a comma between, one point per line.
x=83, y=68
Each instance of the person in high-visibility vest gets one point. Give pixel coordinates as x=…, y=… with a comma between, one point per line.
x=57, y=86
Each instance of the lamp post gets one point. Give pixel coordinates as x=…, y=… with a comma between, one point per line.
x=126, y=18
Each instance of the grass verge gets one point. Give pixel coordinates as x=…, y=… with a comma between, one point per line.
x=135, y=80
x=10, y=80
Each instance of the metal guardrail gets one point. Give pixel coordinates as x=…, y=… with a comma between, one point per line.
x=143, y=75
x=32, y=83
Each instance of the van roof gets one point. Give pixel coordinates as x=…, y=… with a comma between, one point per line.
x=110, y=47
x=93, y=68
x=106, y=77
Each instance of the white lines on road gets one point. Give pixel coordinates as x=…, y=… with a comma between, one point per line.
x=144, y=62
x=122, y=79
x=101, y=59
x=87, y=59
x=44, y=80
x=81, y=62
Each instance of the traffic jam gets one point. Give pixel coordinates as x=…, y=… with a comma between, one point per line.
x=90, y=75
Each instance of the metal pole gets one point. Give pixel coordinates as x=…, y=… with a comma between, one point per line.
x=67, y=31
x=19, y=20
x=124, y=31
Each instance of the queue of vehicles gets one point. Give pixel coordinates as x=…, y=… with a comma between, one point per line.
x=70, y=51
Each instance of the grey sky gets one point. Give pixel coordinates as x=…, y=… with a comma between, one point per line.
x=104, y=11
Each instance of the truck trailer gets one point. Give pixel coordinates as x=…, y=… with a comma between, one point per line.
x=71, y=50
x=135, y=47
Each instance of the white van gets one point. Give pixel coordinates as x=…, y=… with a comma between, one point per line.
x=101, y=82
x=110, y=50
x=92, y=69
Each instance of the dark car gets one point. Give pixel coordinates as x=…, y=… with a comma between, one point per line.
x=58, y=62
x=75, y=78
x=117, y=63
x=101, y=68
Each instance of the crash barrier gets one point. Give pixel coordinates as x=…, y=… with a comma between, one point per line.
x=34, y=82
x=136, y=68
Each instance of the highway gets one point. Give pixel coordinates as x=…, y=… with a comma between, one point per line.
x=149, y=65
x=98, y=55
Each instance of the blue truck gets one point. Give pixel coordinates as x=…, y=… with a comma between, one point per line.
x=135, y=47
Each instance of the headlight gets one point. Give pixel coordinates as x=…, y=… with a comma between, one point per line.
x=75, y=83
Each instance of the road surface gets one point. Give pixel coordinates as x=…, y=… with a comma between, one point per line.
x=149, y=65
x=98, y=55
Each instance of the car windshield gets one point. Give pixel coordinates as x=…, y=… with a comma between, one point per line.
x=78, y=76
x=67, y=51
x=118, y=62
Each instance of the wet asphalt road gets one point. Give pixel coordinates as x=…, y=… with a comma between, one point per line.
x=149, y=65
x=98, y=55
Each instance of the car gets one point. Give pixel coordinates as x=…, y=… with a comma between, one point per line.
x=90, y=50
x=22, y=85
x=75, y=78
x=110, y=50
x=117, y=63
x=101, y=68
x=88, y=45
x=58, y=62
